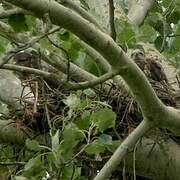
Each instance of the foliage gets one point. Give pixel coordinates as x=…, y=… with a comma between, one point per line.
x=82, y=123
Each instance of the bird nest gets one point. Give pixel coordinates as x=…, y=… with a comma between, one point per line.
x=51, y=111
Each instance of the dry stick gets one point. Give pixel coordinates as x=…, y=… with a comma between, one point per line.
x=111, y=19
x=12, y=163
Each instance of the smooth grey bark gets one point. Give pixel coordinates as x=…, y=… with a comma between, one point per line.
x=157, y=160
x=12, y=90
x=138, y=9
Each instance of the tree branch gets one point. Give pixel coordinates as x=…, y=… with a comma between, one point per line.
x=111, y=19
x=72, y=5
x=10, y=12
x=121, y=151
x=138, y=10
x=92, y=83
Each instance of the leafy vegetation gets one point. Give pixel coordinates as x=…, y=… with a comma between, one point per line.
x=70, y=134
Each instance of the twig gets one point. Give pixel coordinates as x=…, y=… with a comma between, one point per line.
x=89, y=84
x=124, y=169
x=174, y=35
x=164, y=35
x=37, y=39
x=111, y=19
x=12, y=163
x=67, y=56
x=36, y=97
x=134, y=160
x=27, y=70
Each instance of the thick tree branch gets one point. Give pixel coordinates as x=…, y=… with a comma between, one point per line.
x=10, y=12
x=102, y=43
x=72, y=5
x=138, y=10
x=155, y=159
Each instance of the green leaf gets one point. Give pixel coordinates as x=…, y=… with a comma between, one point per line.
x=34, y=168
x=55, y=142
x=115, y=144
x=158, y=42
x=147, y=34
x=84, y=121
x=73, y=53
x=34, y=162
x=104, y=119
x=89, y=92
x=71, y=172
x=126, y=33
x=71, y=137
x=20, y=178
x=105, y=139
x=166, y=3
x=33, y=145
x=72, y=101
x=18, y=22
x=64, y=35
x=153, y=19
x=95, y=147
x=174, y=17
x=31, y=22
x=174, y=43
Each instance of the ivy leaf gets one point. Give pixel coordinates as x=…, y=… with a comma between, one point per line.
x=18, y=22
x=104, y=119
